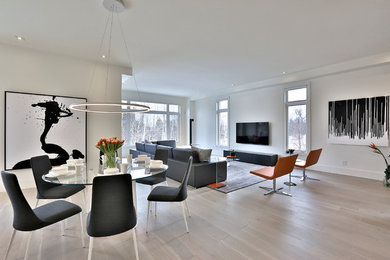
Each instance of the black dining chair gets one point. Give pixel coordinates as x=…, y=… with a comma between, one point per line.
x=158, y=178
x=28, y=219
x=172, y=194
x=112, y=209
x=40, y=166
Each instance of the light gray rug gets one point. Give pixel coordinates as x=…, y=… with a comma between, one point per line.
x=238, y=176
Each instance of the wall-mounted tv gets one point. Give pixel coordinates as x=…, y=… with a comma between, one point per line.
x=252, y=133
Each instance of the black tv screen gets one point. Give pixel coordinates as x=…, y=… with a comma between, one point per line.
x=252, y=133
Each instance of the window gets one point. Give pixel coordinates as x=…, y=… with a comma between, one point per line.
x=223, y=122
x=160, y=123
x=296, y=100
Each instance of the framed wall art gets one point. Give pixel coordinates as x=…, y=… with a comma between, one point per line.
x=359, y=121
x=37, y=124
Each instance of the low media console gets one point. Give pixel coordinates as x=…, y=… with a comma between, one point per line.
x=266, y=159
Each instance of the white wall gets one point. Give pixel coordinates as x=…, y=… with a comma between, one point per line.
x=157, y=98
x=266, y=104
x=25, y=70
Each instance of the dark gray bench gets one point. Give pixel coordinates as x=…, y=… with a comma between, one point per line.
x=266, y=159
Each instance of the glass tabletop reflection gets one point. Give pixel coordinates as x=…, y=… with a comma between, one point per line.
x=80, y=174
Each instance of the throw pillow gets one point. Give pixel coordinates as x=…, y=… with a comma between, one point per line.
x=204, y=154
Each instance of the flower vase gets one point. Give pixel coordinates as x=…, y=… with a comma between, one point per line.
x=110, y=160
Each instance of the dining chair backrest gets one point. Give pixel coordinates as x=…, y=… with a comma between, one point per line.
x=24, y=217
x=313, y=157
x=182, y=194
x=112, y=209
x=285, y=165
x=41, y=165
x=161, y=154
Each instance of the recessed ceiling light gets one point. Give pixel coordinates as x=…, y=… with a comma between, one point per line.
x=103, y=56
x=19, y=38
x=284, y=72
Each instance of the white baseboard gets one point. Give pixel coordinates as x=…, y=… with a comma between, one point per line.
x=349, y=171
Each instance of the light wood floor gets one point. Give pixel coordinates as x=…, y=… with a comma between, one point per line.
x=338, y=217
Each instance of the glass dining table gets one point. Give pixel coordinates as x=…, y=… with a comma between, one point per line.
x=78, y=174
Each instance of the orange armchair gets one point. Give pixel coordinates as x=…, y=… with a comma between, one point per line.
x=284, y=165
x=311, y=159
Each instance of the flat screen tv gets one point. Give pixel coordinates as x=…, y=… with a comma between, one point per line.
x=252, y=133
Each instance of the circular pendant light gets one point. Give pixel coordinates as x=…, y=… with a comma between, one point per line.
x=110, y=108
x=114, y=6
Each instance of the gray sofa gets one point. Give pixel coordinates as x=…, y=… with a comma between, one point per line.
x=202, y=173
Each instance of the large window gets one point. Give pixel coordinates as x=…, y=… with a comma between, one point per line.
x=223, y=122
x=296, y=100
x=160, y=123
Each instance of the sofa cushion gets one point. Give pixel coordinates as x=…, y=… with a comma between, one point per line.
x=204, y=154
x=182, y=154
x=150, y=148
x=171, y=143
x=140, y=146
x=163, y=147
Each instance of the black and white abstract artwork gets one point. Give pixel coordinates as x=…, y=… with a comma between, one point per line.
x=359, y=121
x=42, y=124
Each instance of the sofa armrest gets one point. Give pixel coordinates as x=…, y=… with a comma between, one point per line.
x=201, y=174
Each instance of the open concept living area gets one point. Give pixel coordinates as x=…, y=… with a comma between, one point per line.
x=194, y=130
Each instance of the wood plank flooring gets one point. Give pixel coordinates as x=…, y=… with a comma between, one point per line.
x=339, y=217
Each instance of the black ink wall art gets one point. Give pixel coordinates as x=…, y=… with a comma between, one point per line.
x=42, y=124
x=359, y=121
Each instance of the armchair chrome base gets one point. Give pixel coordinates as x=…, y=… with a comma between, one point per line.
x=289, y=182
x=274, y=190
x=305, y=177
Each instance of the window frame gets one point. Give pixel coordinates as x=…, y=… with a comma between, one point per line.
x=218, y=111
x=167, y=113
x=287, y=104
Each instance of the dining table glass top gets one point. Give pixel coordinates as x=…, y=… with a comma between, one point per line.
x=80, y=174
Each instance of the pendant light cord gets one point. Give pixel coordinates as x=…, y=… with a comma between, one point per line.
x=99, y=55
x=128, y=57
x=109, y=54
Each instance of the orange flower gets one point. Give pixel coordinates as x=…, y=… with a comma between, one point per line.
x=104, y=144
x=376, y=151
x=372, y=145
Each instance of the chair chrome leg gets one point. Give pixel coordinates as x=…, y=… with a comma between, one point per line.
x=188, y=209
x=135, y=244
x=28, y=245
x=305, y=177
x=289, y=182
x=274, y=190
x=82, y=230
x=62, y=223
x=147, y=217
x=10, y=244
x=184, y=215
x=90, y=248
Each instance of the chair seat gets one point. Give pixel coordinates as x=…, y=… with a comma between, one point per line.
x=60, y=192
x=164, y=193
x=56, y=211
x=300, y=164
x=153, y=180
x=267, y=172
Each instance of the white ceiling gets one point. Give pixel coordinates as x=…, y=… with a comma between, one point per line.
x=191, y=47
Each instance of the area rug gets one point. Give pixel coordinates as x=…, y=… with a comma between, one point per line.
x=238, y=176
